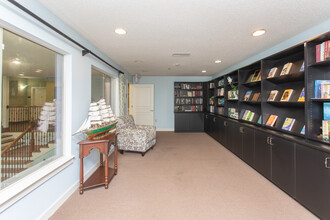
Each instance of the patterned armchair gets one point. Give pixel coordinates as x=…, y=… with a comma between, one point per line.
x=133, y=137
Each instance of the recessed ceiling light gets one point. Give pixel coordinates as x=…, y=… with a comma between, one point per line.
x=138, y=61
x=16, y=61
x=21, y=74
x=258, y=32
x=217, y=61
x=120, y=31
x=203, y=71
x=38, y=71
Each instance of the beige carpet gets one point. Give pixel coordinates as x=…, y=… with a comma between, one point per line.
x=186, y=176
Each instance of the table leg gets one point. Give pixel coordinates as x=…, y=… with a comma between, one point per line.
x=81, y=187
x=106, y=165
x=116, y=167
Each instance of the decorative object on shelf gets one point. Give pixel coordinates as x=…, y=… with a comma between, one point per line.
x=288, y=124
x=302, y=96
x=271, y=120
x=286, y=69
x=272, y=72
x=286, y=95
x=272, y=95
x=100, y=121
x=322, y=89
x=247, y=95
x=232, y=94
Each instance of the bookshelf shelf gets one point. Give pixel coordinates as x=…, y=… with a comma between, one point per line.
x=251, y=103
x=292, y=77
x=287, y=104
x=322, y=63
x=320, y=100
x=252, y=84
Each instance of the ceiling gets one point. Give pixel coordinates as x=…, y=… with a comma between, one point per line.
x=208, y=30
x=32, y=57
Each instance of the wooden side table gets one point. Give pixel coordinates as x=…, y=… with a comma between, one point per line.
x=103, y=174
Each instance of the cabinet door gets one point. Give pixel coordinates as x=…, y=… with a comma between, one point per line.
x=222, y=131
x=233, y=140
x=283, y=172
x=313, y=180
x=262, y=162
x=247, y=144
x=207, y=123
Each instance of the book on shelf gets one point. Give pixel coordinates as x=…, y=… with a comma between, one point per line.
x=322, y=89
x=233, y=95
x=250, y=78
x=256, y=76
x=272, y=72
x=221, y=101
x=211, y=85
x=326, y=111
x=221, y=92
x=271, y=120
x=247, y=95
x=221, y=110
x=322, y=51
x=233, y=113
x=250, y=116
x=288, y=124
x=221, y=82
x=211, y=108
x=272, y=95
x=325, y=130
x=259, y=120
x=286, y=69
x=246, y=113
x=256, y=97
x=286, y=95
x=302, y=96
x=302, y=68
x=303, y=130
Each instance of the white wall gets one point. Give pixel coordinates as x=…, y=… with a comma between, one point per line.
x=40, y=200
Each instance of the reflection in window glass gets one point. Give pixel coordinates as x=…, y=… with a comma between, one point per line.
x=30, y=107
x=101, y=86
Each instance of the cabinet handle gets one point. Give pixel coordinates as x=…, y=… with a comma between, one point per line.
x=271, y=141
x=241, y=129
x=206, y=116
x=214, y=119
x=326, y=162
x=225, y=124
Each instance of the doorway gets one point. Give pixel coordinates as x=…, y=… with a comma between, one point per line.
x=141, y=103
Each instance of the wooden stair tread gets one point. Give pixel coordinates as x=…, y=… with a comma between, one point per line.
x=11, y=162
x=5, y=135
x=12, y=170
x=9, y=140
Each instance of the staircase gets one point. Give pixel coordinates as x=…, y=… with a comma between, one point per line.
x=19, y=151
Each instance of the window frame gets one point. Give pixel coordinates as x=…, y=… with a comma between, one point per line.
x=16, y=191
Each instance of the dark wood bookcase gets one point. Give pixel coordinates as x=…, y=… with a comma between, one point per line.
x=296, y=162
x=189, y=105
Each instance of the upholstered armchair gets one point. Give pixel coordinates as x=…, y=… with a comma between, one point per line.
x=133, y=137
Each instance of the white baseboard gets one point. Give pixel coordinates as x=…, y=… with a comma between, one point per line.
x=164, y=129
x=60, y=201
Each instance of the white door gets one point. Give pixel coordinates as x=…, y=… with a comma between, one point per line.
x=142, y=103
x=38, y=96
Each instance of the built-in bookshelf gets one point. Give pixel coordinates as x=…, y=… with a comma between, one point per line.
x=211, y=97
x=188, y=97
x=287, y=92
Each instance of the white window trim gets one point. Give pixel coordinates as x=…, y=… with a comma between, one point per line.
x=16, y=191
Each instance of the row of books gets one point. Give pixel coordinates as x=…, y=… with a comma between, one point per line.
x=322, y=51
x=221, y=101
x=286, y=95
x=189, y=93
x=233, y=113
x=221, y=110
x=255, y=76
x=256, y=96
x=287, y=125
x=184, y=101
x=322, y=89
x=221, y=82
x=211, y=85
x=189, y=108
x=221, y=92
x=285, y=70
x=188, y=86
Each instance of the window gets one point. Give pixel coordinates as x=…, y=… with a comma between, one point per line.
x=101, y=86
x=31, y=107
